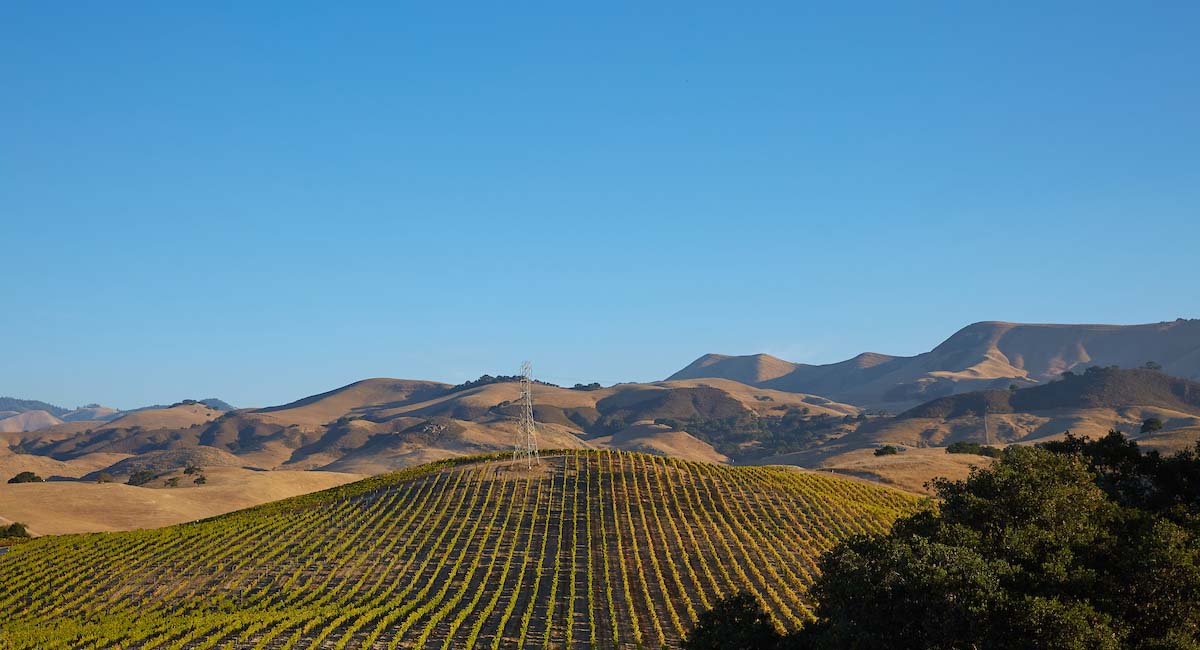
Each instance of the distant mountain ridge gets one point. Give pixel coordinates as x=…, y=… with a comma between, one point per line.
x=983, y=355
x=22, y=405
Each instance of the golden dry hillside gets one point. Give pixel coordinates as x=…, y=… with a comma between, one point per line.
x=378, y=425
x=28, y=421
x=82, y=507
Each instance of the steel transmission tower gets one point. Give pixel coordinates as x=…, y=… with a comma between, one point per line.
x=526, y=443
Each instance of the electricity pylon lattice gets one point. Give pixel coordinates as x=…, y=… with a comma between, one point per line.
x=526, y=444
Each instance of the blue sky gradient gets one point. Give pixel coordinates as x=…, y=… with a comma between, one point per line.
x=260, y=201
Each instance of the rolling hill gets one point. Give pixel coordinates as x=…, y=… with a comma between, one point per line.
x=91, y=413
x=1089, y=404
x=591, y=549
x=28, y=421
x=378, y=425
x=33, y=415
x=980, y=356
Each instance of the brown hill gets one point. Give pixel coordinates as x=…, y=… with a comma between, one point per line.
x=354, y=399
x=134, y=433
x=78, y=507
x=378, y=425
x=180, y=415
x=164, y=461
x=752, y=369
x=91, y=413
x=28, y=421
x=1096, y=388
x=1089, y=404
x=980, y=356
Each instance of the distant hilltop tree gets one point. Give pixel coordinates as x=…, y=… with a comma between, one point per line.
x=485, y=380
x=26, y=477
x=595, y=385
x=974, y=448
x=1150, y=425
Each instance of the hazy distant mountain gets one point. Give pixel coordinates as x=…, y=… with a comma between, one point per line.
x=92, y=412
x=34, y=413
x=21, y=405
x=210, y=402
x=980, y=356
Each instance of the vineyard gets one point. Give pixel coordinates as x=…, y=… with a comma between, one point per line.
x=592, y=549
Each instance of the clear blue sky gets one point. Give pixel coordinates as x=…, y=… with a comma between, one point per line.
x=259, y=201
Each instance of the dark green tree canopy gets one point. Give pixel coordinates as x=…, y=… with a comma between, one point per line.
x=736, y=622
x=15, y=529
x=1079, y=544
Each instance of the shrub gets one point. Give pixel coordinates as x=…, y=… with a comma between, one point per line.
x=974, y=448
x=887, y=450
x=592, y=386
x=15, y=529
x=141, y=477
x=736, y=622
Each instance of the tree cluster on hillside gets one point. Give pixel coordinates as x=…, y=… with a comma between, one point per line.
x=13, y=530
x=595, y=385
x=141, y=477
x=26, y=477
x=974, y=448
x=1078, y=544
x=485, y=380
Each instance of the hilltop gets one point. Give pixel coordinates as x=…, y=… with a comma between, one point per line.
x=980, y=356
x=579, y=552
x=28, y=421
